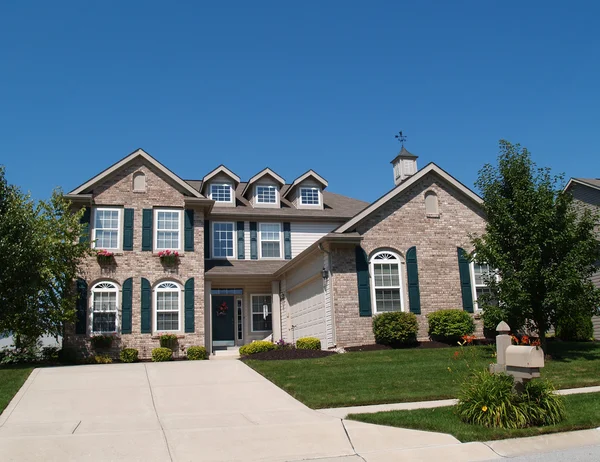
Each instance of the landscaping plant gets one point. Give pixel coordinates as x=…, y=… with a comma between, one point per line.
x=129, y=355
x=397, y=328
x=575, y=328
x=168, y=341
x=256, y=347
x=196, y=353
x=101, y=359
x=101, y=341
x=308, y=343
x=162, y=354
x=450, y=325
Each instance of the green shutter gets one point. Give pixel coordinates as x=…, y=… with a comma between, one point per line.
x=253, y=241
x=287, y=241
x=465, y=280
x=189, y=305
x=82, y=302
x=364, y=287
x=412, y=272
x=146, y=301
x=206, y=239
x=126, y=306
x=147, y=230
x=128, y=229
x=85, y=226
x=189, y=231
x=240, y=240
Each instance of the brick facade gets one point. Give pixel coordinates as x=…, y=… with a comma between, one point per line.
x=398, y=225
x=117, y=190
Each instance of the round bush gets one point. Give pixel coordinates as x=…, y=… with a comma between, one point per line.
x=162, y=354
x=128, y=355
x=308, y=343
x=395, y=328
x=102, y=359
x=256, y=347
x=577, y=328
x=196, y=353
x=450, y=325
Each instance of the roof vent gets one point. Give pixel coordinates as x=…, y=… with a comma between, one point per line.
x=405, y=165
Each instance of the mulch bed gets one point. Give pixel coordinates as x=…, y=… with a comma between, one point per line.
x=416, y=346
x=277, y=355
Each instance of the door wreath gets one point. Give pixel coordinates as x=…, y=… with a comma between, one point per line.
x=222, y=309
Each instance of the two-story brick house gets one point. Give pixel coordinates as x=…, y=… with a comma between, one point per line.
x=266, y=258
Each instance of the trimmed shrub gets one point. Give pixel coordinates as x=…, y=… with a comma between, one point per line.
x=308, y=343
x=256, y=347
x=168, y=341
x=162, y=354
x=450, y=325
x=102, y=359
x=195, y=353
x=578, y=328
x=129, y=355
x=395, y=328
x=491, y=401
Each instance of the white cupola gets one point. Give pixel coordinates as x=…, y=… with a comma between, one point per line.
x=405, y=165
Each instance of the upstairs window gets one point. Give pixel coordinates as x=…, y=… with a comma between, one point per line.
x=168, y=229
x=387, y=289
x=270, y=240
x=221, y=192
x=309, y=196
x=266, y=194
x=104, y=308
x=106, y=228
x=223, y=240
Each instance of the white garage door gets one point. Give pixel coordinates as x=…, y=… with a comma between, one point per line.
x=307, y=311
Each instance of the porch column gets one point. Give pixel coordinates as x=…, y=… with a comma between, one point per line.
x=207, y=312
x=276, y=311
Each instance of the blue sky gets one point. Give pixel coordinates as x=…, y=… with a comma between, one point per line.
x=293, y=86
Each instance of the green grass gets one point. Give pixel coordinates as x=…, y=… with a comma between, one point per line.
x=394, y=376
x=11, y=380
x=583, y=411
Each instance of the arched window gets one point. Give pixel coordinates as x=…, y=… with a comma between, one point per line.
x=386, y=282
x=139, y=181
x=167, y=306
x=104, y=308
x=431, y=204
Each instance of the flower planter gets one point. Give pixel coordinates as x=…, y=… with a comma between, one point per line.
x=102, y=342
x=168, y=257
x=105, y=257
x=168, y=341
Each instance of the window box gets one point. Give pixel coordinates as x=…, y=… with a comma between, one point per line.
x=102, y=342
x=169, y=257
x=105, y=257
x=168, y=341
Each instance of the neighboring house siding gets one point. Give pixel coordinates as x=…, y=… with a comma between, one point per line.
x=398, y=225
x=305, y=234
x=137, y=264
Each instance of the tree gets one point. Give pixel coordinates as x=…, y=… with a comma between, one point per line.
x=543, y=250
x=40, y=256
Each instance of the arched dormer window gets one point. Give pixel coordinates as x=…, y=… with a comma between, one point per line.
x=432, y=207
x=139, y=182
x=104, y=308
x=167, y=306
x=386, y=282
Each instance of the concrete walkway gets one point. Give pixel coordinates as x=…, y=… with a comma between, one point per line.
x=196, y=410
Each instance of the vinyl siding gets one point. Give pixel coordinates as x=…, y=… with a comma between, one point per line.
x=305, y=234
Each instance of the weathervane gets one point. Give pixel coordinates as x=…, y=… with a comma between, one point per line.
x=400, y=137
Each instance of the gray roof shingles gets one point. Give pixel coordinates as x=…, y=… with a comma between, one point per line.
x=243, y=267
x=592, y=181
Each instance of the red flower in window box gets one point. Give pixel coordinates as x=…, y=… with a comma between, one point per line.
x=168, y=257
x=105, y=257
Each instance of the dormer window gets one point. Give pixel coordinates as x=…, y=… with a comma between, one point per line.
x=309, y=196
x=266, y=194
x=221, y=192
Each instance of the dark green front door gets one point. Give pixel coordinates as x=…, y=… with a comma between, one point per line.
x=222, y=318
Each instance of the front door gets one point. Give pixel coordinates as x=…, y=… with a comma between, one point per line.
x=223, y=308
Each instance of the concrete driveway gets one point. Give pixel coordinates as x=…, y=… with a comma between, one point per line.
x=196, y=411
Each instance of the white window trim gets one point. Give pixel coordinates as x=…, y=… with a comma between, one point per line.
x=155, y=305
x=260, y=242
x=399, y=260
x=252, y=312
x=212, y=240
x=266, y=186
x=155, y=229
x=119, y=228
x=318, y=204
x=476, y=307
x=231, y=192
x=94, y=290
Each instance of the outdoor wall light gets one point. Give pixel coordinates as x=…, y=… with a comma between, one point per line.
x=325, y=273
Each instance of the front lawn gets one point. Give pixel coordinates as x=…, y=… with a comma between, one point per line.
x=583, y=411
x=11, y=380
x=393, y=376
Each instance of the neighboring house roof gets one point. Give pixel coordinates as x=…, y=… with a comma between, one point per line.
x=244, y=268
x=310, y=174
x=182, y=185
x=259, y=175
x=591, y=182
x=429, y=168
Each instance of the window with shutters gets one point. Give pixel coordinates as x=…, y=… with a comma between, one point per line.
x=167, y=229
x=481, y=274
x=270, y=240
x=261, y=313
x=223, y=240
x=104, y=310
x=167, y=307
x=107, y=228
x=386, y=282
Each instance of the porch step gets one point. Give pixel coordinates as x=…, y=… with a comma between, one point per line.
x=229, y=353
